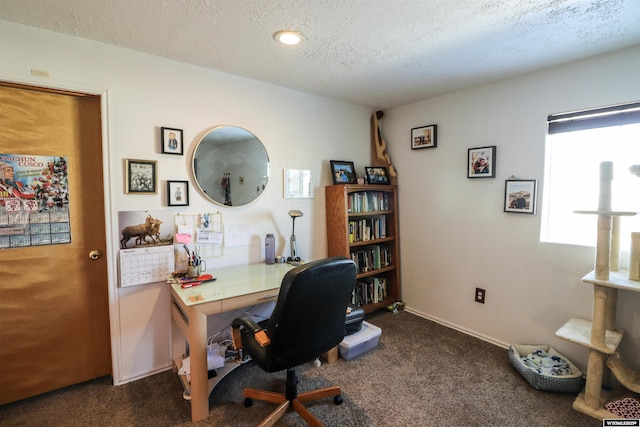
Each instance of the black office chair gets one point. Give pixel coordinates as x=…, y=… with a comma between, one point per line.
x=307, y=321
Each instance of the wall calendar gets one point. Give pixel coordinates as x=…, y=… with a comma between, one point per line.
x=145, y=265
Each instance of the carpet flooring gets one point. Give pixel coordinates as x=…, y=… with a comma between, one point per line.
x=421, y=374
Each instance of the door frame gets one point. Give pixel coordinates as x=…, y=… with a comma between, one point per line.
x=112, y=248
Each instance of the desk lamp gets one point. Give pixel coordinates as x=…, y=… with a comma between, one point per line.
x=294, y=258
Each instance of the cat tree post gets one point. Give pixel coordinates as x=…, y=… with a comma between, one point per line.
x=599, y=335
x=597, y=360
x=604, y=222
x=614, y=252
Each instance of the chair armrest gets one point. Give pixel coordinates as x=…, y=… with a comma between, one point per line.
x=249, y=324
x=246, y=323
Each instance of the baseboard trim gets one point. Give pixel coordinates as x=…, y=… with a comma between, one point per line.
x=141, y=376
x=459, y=328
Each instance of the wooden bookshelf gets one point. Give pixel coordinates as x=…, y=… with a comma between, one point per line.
x=362, y=224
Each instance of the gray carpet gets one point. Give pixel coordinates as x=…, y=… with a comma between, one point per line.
x=421, y=374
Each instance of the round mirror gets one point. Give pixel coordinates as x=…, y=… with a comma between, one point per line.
x=230, y=166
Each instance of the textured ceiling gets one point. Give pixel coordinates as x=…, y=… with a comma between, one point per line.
x=374, y=53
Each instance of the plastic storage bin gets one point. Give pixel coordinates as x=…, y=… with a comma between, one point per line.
x=363, y=341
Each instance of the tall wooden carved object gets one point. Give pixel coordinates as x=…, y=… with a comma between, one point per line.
x=379, y=155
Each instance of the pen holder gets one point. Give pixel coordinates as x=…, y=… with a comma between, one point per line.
x=196, y=270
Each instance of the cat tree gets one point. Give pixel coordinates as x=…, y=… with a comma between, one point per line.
x=599, y=335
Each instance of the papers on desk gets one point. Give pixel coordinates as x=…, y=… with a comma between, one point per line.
x=215, y=360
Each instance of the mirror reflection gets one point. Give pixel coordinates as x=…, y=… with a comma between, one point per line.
x=230, y=166
x=298, y=184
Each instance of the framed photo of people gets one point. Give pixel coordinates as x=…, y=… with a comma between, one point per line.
x=343, y=172
x=424, y=137
x=481, y=162
x=171, y=141
x=377, y=175
x=141, y=176
x=520, y=196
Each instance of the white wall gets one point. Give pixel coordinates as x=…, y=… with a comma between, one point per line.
x=143, y=93
x=454, y=234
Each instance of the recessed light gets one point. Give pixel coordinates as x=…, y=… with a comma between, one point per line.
x=288, y=37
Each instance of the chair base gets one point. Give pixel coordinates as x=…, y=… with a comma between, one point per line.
x=296, y=402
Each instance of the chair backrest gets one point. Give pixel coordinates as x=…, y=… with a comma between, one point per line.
x=309, y=316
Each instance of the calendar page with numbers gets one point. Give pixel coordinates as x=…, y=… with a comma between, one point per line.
x=145, y=265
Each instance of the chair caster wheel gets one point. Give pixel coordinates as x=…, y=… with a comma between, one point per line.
x=248, y=402
x=337, y=399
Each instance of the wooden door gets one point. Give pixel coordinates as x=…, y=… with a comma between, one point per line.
x=54, y=311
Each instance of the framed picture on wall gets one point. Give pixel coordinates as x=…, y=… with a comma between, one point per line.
x=481, y=162
x=377, y=175
x=343, y=172
x=141, y=176
x=178, y=193
x=424, y=137
x=520, y=196
x=171, y=141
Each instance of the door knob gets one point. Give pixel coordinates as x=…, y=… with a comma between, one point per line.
x=94, y=254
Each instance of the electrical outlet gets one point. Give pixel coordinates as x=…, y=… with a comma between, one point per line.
x=480, y=294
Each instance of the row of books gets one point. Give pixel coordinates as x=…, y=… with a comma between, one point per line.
x=371, y=258
x=369, y=291
x=368, y=229
x=369, y=201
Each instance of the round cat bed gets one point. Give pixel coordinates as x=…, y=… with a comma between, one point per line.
x=569, y=383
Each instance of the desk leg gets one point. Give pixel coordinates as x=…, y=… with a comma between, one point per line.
x=198, y=354
x=331, y=356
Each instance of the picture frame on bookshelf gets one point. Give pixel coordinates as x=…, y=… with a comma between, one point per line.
x=520, y=196
x=343, y=172
x=178, y=193
x=171, y=141
x=377, y=175
x=481, y=162
x=424, y=137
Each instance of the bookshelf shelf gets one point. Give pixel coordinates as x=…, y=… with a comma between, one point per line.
x=365, y=214
x=362, y=224
x=375, y=272
x=372, y=242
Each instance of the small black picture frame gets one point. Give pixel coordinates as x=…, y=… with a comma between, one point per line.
x=178, y=193
x=171, y=141
x=481, y=162
x=343, y=172
x=424, y=137
x=141, y=176
x=377, y=175
x=520, y=196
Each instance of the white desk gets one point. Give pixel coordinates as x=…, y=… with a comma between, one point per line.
x=235, y=287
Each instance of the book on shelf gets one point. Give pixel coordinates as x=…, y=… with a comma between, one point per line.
x=371, y=290
x=371, y=258
x=368, y=201
x=364, y=229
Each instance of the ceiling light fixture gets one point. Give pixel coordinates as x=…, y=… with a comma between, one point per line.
x=288, y=37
